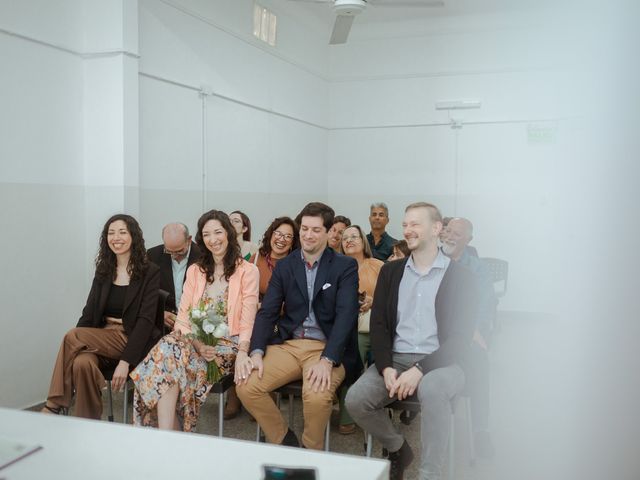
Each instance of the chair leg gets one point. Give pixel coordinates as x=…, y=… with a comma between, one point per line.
x=110, y=416
x=291, y=411
x=472, y=445
x=326, y=436
x=258, y=429
x=368, y=446
x=125, y=406
x=220, y=414
x=452, y=437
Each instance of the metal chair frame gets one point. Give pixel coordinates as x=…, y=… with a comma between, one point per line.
x=108, y=372
x=219, y=388
x=125, y=403
x=412, y=404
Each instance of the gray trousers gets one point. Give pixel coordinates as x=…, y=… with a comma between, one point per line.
x=368, y=397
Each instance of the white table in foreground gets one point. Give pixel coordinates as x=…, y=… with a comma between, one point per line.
x=86, y=449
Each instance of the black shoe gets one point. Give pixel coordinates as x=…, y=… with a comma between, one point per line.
x=484, y=445
x=290, y=439
x=399, y=461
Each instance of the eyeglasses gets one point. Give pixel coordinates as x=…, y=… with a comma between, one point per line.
x=285, y=236
x=179, y=253
x=351, y=238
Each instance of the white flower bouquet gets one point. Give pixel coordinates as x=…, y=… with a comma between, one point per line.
x=208, y=324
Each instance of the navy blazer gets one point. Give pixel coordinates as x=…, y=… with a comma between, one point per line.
x=335, y=304
x=138, y=315
x=156, y=255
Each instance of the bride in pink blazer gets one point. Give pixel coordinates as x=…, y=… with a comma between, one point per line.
x=171, y=382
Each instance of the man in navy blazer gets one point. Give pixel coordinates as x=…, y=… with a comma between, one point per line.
x=306, y=329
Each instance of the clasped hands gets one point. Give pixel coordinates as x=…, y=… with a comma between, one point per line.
x=403, y=385
x=245, y=365
x=169, y=319
x=208, y=352
x=365, y=306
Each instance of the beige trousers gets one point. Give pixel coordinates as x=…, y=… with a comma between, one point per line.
x=81, y=353
x=284, y=364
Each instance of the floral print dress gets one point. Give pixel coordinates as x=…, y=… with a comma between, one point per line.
x=174, y=360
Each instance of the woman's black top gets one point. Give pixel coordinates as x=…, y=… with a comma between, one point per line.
x=115, y=301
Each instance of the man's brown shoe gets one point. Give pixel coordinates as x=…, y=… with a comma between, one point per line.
x=232, y=408
x=347, y=429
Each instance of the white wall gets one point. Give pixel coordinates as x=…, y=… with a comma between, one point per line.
x=264, y=127
x=110, y=103
x=388, y=143
x=41, y=190
x=68, y=160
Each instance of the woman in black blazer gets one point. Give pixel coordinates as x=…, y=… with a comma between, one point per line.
x=118, y=323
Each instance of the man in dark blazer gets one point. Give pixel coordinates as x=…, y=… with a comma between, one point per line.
x=174, y=256
x=456, y=247
x=306, y=329
x=422, y=322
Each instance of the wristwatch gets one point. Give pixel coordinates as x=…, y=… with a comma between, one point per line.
x=333, y=364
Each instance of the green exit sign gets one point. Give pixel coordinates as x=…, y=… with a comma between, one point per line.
x=541, y=133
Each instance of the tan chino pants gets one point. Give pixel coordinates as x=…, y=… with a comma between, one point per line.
x=284, y=364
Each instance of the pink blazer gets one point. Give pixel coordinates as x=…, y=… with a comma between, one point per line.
x=242, y=303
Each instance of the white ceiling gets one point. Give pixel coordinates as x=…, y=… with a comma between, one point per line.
x=380, y=14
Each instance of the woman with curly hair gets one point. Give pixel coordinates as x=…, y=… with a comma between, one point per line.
x=171, y=382
x=117, y=323
x=280, y=239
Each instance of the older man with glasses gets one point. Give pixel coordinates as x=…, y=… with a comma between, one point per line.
x=174, y=256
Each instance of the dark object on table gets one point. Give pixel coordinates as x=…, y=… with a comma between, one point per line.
x=275, y=472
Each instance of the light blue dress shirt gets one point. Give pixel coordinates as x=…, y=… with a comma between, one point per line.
x=179, y=269
x=417, y=330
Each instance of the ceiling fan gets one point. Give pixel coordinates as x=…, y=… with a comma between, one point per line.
x=346, y=10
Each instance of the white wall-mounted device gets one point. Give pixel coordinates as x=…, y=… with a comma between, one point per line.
x=457, y=104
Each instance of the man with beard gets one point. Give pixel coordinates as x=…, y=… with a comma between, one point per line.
x=421, y=329
x=455, y=246
x=306, y=329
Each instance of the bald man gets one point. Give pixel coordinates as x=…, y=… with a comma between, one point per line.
x=173, y=257
x=455, y=243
